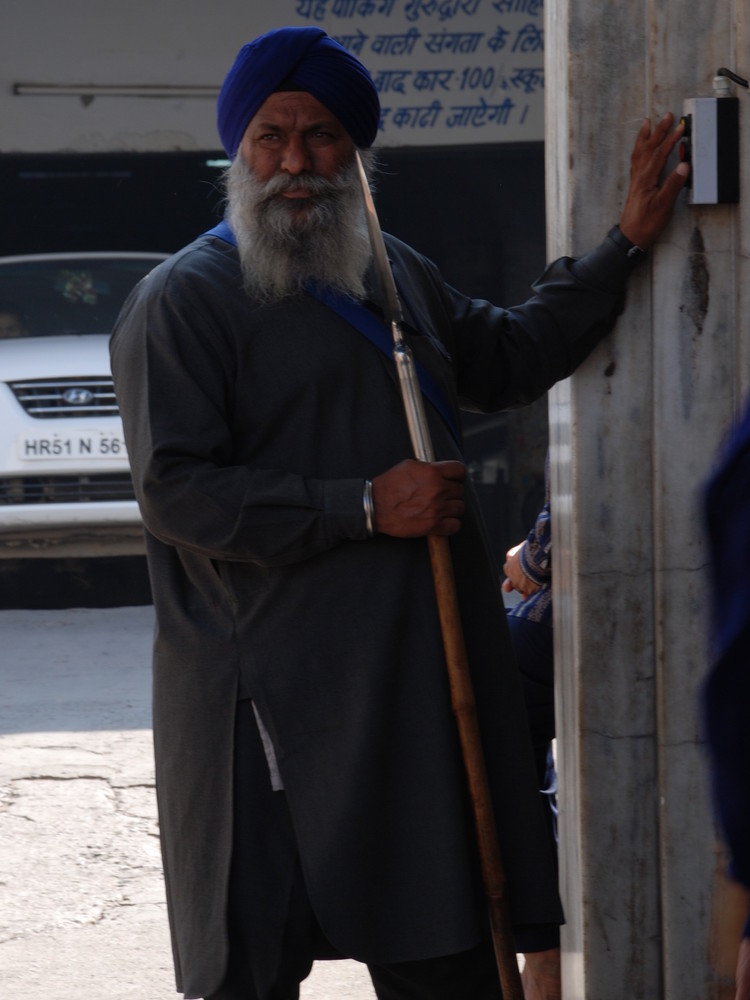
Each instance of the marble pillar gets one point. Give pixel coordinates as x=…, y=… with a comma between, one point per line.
x=633, y=435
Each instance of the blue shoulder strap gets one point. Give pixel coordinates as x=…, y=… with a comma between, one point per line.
x=224, y=231
x=370, y=326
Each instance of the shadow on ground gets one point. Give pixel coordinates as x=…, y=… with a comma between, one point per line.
x=34, y=584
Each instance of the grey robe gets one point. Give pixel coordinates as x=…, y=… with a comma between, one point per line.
x=250, y=431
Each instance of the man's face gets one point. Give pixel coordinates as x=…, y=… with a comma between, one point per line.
x=10, y=326
x=294, y=202
x=294, y=135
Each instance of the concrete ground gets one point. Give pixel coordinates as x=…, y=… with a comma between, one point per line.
x=82, y=910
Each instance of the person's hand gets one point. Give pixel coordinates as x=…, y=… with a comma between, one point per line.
x=515, y=578
x=648, y=206
x=419, y=498
x=742, y=979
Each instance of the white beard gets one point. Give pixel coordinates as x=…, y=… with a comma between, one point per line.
x=281, y=249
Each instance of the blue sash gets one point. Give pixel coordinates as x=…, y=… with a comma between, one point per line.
x=371, y=327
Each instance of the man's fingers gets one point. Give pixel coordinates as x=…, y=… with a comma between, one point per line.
x=451, y=470
x=668, y=144
x=419, y=498
x=649, y=202
x=663, y=126
x=653, y=148
x=656, y=136
x=674, y=183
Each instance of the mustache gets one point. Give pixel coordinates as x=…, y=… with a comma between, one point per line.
x=314, y=184
x=283, y=243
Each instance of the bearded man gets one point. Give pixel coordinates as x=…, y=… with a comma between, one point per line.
x=311, y=791
x=293, y=229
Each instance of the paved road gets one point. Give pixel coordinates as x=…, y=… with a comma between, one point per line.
x=82, y=911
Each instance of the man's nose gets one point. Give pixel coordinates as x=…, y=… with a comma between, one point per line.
x=296, y=157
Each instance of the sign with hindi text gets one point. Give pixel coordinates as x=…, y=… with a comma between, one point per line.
x=451, y=72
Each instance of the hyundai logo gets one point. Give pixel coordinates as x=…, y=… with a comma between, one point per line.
x=78, y=397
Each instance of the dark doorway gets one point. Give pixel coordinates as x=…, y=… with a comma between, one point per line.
x=477, y=212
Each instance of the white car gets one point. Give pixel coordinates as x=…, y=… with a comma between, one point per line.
x=65, y=486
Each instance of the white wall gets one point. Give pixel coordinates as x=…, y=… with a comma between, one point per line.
x=453, y=71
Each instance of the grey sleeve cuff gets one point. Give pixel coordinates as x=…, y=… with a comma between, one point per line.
x=607, y=266
x=344, y=510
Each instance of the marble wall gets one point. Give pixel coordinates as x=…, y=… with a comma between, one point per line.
x=633, y=435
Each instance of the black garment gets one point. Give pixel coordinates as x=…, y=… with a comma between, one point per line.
x=471, y=975
x=725, y=695
x=533, y=646
x=273, y=935
x=250, y=432
x=270, y=953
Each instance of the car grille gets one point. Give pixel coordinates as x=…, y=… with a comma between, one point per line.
x=67, y=397
x=15, y=490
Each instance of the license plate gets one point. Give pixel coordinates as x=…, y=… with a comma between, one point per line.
x=95, y=445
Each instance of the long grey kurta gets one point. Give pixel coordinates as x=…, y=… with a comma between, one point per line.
x=250, y=431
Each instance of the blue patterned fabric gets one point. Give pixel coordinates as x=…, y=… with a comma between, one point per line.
x=306, y=59
x=726, y=692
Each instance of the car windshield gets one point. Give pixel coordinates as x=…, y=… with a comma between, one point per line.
x=75, y=294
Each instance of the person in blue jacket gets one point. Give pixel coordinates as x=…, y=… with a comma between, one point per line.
x=528, y=572
x=726, y=690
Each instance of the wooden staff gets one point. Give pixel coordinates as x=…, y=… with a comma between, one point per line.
x=462, y=691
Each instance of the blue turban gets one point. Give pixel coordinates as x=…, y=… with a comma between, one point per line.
x=299, y=58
